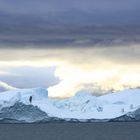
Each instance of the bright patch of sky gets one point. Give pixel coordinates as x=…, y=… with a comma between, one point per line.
x=65, y=71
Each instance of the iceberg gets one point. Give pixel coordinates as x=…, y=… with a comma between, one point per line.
x=15, y=105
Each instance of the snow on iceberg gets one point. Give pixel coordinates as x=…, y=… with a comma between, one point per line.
x=9, y=98
x=82, y=106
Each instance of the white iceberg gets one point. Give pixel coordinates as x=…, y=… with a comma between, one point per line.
x=82, y=106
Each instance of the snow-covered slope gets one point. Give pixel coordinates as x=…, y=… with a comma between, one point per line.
x=82, y=106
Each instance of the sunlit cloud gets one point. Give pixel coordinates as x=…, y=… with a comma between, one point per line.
x=96, y=69
x=5, y=86
x=6, y=73
x=99, y=81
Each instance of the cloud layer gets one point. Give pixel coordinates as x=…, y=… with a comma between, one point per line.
x=97, y=69
x=76, y=22
x=5, y=87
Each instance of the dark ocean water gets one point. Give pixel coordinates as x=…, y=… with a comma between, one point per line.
x=71, y=131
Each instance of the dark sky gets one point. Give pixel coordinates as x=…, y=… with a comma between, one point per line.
x=123, y=9
x=44, y=6
x=72, y=24
x=58, y=22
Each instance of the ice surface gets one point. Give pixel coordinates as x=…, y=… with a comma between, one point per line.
x=81, y=106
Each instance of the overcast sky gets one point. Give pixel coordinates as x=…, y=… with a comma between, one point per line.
x=68, y=22
x=99, y=42
x=43, y=6
x=98, y=10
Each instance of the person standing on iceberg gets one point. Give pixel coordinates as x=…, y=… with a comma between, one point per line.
x=30, y=99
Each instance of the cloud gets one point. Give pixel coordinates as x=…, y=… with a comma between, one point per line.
x=42, y=6
x=5, y=87
x=29, y=76
x=97, y=82
x=6, y=73
x=98, y=69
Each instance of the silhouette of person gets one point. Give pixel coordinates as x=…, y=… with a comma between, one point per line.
x=30, y=99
